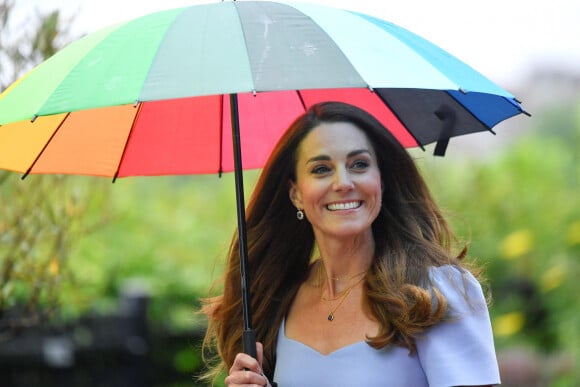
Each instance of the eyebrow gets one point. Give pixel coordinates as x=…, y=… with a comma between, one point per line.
x=350, y=154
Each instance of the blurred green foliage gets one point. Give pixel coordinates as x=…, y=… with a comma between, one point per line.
x=36, y=231
x=170, y=233
x=39, y=222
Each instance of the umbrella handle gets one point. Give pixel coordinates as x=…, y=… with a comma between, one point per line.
x=249, y=342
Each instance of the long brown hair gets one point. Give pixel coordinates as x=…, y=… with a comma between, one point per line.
x=410, y=233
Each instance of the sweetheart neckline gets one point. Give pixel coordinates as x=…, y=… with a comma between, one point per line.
x=343, y=348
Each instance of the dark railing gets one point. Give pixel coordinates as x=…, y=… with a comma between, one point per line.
x=110, y=351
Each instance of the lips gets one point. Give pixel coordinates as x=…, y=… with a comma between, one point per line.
x=343, y=206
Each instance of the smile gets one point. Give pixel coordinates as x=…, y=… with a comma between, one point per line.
x=343, y=206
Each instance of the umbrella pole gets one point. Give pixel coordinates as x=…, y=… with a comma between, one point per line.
x=248, y=334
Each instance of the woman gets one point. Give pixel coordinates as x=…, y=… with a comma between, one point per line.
x=354, y=282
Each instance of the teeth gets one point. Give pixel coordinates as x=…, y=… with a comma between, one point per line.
x=343, y=206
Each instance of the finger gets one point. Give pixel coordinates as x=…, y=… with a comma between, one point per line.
x=243, y=361
x=245, y=378
x=260, y=351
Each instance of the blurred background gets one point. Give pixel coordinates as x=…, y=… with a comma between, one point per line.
x=100, y=283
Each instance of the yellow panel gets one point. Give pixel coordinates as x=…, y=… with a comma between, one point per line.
x=21, y=142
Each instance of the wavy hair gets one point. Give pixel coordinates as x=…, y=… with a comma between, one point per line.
x=410, y=233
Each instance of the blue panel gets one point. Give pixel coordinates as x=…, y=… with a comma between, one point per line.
x=488, y=108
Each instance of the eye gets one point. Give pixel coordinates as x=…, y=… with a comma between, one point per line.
x=320, y=169
x=360, y=165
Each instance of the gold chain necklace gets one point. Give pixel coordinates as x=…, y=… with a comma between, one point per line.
x=342, y=296
x=332, y=311
x=347, y=277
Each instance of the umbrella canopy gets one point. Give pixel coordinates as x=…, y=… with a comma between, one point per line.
x=159, y=94
x=146, y=97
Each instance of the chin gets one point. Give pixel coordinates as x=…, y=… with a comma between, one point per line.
x=350, y=231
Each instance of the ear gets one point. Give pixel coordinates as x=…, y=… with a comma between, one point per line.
x=295, y=195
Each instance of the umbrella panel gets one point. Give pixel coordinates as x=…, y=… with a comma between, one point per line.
x=72, y=150
x=193, y=135
x=22, y=142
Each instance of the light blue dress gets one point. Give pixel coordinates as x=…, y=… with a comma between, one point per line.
x=456, y=352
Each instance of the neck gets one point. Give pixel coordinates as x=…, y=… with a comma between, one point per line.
x=343, y=263
x=335, y=287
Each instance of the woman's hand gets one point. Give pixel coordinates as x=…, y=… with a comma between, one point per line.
x=247, y=371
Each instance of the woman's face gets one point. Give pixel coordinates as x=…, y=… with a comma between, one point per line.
x=338, y=182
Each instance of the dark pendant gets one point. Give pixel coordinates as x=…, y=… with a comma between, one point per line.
x=330, y=317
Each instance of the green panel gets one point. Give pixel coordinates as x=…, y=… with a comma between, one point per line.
x=24, y=99
x=203, y=53
x=114, y=71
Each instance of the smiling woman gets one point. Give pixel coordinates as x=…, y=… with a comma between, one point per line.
x=355, y=281
x=333, y=160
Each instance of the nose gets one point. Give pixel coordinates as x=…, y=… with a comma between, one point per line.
x=342, y=180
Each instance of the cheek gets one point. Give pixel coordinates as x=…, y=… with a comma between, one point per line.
x=311, y=193
x=376, y=191
x=374, y=182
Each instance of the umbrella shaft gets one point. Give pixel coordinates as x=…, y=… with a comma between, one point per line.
x=249, y=336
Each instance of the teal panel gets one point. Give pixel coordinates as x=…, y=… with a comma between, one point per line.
x=203, y=53
x=381, y=58
x=462, y=75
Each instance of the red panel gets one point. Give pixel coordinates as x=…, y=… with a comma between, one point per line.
x=367, y=100
x=263, y=119
x=174, y=137
x=265, y=116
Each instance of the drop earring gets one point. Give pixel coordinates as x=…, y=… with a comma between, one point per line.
x=299, y=214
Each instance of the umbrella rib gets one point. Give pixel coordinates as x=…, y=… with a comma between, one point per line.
x=518, y=106
x=221, y=140
x=44, y=147
x=138, y=106
x=489, y=128
x=301, y=99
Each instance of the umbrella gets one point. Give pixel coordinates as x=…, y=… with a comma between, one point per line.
x=158, y=94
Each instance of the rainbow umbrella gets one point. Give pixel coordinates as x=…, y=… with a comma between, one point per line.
x=160, y=94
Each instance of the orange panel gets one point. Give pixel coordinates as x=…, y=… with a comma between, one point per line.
x=89, y=142
x=21, y=142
